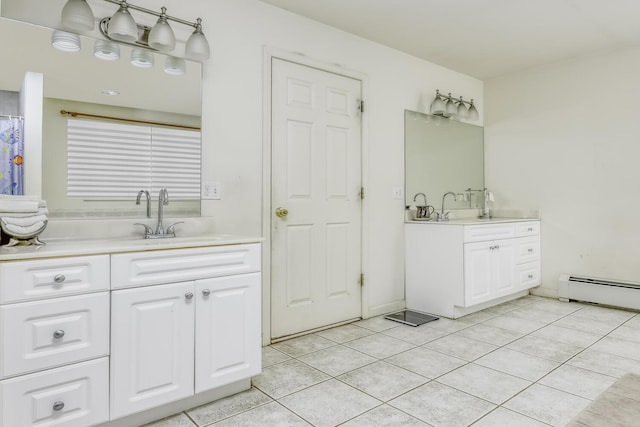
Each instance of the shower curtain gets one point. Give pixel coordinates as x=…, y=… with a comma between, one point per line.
x=11, y=155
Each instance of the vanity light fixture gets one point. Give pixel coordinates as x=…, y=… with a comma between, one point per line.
x=66, y=42
x=454, y=108
x=161, y=36
x=175, y=66
x=77, y=16
x=142, y=58
x=106, y=50
x=122, y=26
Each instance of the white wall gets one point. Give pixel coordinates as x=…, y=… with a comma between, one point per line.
x=565, y=138
x=233, y=112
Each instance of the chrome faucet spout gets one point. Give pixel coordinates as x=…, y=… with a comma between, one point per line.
x=445, y=195
x=148, y=197
x=420, y=194
x=163, y=200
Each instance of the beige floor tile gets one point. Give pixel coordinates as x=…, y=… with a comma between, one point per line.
x=461, y=347
x=618, y=347
x=337, y=360
x=605, y=314
x=490, y=334
x=501, y=417
x=382, y=380
x=305, y=344
x=178, y=420
x=271, y=414
x=625, y=332
x=567, y=335
x=415, y=335
x=548, y=405
x=286, y=378
x=384, y=416
x=514, y=323
x=449, y=325
x=547, y=349
x=605, y=363
x=329, y=403
x=586, y=324
x=485, y=383
x=379, y=345
x=271, y=356
x=519, y=364
x=425, y=362
x=377, y=324
x=345, y=333
x=556, y=306
x=228, y=407
x=532, y=313
x=440, y=405
x=578, y=381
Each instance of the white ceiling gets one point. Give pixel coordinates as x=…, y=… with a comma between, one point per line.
x=483, y=38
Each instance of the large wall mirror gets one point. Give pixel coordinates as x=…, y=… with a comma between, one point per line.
x=81, y=82
x=443, y=155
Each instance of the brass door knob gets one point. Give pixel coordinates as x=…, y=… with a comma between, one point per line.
x=281, y=212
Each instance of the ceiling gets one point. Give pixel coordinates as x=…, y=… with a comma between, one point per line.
x=483, y=38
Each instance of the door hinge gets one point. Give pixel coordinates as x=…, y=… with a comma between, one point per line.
x=361, y=279
x=361, y=193
x=361, y=106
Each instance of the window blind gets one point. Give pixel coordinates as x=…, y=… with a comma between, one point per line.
x=114, y=161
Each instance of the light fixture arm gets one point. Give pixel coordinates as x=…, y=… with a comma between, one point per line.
x=444, y=97
x=154, y=13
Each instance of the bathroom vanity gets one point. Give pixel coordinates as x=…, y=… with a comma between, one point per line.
x=123, y=332
x=461, y=266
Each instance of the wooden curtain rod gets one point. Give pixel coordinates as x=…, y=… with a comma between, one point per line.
x=96, y=116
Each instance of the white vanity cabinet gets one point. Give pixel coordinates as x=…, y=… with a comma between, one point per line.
x=170, y=341
x=54, y=339
x=456, y=268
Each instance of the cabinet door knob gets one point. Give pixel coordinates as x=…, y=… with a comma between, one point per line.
x=530, y=250
x=530, y=229
x=59, y=278
x=58, y=334
x=530, y=276
x=188, y=295
x=58, y=406
x=206, y=292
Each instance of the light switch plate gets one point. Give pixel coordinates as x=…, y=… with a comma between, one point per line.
x=398, y=193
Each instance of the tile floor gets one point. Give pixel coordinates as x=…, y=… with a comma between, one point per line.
x=529, y=362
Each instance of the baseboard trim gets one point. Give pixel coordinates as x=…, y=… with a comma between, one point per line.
x=386, y=309
x=545, y=292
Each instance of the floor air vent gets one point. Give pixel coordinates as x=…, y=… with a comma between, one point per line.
x=602, y=291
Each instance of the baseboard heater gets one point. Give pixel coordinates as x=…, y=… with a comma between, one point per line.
x=601, y=291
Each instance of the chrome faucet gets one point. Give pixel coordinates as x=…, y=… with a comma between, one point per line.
x=163, y=200
x=148, y=197
x=423, y=195
x=442, y=215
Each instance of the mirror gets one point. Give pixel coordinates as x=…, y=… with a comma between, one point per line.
x=77, y=82
x=443, y=155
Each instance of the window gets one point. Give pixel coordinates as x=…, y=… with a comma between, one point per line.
x=113, y=161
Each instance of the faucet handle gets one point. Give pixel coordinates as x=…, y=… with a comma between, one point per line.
x=171, y=228
x=147, y=230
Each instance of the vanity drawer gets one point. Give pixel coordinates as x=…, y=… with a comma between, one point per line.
x=527, y=249
x=482, y=232
x=46, y=278
x=43, y=334
x=528, y=275
x=528, y=228
x=180, y=265
x=71, y=396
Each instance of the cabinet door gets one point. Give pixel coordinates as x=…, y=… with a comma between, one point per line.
x=151, y=346
x=477, y=272
x=228, y=346
x=503, y=271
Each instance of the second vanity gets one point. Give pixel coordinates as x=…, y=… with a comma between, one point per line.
x=125, y=332
x=461, y=266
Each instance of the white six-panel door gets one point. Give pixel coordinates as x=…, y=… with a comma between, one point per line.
x=316, y=182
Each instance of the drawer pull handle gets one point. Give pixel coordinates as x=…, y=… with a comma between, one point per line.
x=58, y=406
x=58, y=334
x=188, y=295
x=59, y=278
x=530, y=250
x=530, y=229
x=206, y=292
x=530, y=276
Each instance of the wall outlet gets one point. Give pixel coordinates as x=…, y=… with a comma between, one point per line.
x=398, y=193
x=211, y=191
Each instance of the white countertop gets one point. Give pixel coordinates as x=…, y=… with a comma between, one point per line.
x=76, y=247
x=472, y=221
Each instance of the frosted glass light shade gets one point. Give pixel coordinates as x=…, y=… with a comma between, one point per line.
x=197, y=47
x=106, y=50
x=77, y=16
x=122, y=26
x=473, y=112
x=142, y=58
x=175, y=66
x=66, y=42
x=161, y=36
x=462, y=112
x=437, y=106
x=450, y=109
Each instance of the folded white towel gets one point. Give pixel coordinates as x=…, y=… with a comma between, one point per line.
x=24, y=221
x=41, y=211
x=18, y=206
x=30, y=231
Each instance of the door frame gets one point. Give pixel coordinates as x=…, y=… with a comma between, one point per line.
x=300, y=58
